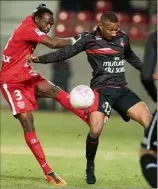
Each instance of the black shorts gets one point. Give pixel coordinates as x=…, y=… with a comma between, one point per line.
x=118, y=99
x=149, y=141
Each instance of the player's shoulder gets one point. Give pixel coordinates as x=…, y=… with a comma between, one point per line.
x=28, y=26
x=28, y=22
x=153, y=35
x=27, y=19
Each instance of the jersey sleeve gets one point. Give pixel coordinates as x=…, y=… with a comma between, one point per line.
x=33, y=34
x=131, y=57
x=150, y=59
x=69, y=51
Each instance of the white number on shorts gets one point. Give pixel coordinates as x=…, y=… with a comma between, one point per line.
x=18, y=95
x=107, y=108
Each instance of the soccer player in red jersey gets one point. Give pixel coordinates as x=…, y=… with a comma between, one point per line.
x=21, y=85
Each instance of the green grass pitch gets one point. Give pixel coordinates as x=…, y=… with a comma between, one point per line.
x=63, y=138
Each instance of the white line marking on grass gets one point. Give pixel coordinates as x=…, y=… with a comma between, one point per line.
x=61, y=152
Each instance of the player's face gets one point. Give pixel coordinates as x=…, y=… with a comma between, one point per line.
x=109, y=30
x=45, y=22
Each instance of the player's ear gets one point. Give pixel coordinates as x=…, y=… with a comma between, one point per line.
x=100, y=26
x=36, y=19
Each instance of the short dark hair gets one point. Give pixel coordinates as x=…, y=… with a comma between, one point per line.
x=110, y=16
x=41, y=11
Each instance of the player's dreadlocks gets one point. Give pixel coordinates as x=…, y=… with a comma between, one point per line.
x=41, y=11
x=110, y=16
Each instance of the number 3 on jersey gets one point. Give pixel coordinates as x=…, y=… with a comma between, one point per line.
x=18, y=95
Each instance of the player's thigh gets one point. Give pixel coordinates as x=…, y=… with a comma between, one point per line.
x=46, y=89
x=99, y=112
x=20, y=97
x=127, y=100
x=101, y=104
x=140, y=113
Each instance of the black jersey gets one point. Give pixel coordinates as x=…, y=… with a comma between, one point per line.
x=150, y=59
x=105, y=57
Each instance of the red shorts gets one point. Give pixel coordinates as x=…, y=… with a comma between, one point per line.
x=21, y=96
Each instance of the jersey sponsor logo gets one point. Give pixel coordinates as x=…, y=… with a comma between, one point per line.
x=116, y=66
x=98, y=38
x=21, y=104
x=122, y=42
x=39, y=32
x=6, y=58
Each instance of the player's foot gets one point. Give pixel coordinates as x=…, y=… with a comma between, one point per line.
x=90, y=176
x=54, y=179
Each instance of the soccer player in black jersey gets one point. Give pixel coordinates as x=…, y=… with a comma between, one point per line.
x=148, y=152
x=106, y=49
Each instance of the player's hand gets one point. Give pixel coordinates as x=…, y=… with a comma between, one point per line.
x=155, y=75
x=32, y=58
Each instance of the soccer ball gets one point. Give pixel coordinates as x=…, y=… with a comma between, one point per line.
x=82, y=97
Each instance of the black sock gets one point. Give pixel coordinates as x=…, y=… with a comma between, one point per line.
x=91, y=148
x=149, y=168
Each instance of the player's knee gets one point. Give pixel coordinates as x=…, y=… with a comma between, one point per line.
x=26, y=120
x=140, y=113
x=145, y=115
x=149, y=168
x=96, y=129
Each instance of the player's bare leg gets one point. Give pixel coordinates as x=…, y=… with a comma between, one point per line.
x=140, y=113
x=27, y=122
x=46, y=89
x=96, y=123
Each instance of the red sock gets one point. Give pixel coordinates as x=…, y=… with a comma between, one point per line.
x=63, y=98
x=37, y=150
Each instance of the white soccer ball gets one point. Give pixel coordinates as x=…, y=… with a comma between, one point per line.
x=82, y=97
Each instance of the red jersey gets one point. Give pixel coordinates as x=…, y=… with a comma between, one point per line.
x=15, y=67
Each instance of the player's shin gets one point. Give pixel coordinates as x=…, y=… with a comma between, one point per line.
x=63, y=98
x=91, y=149
x=36, y=148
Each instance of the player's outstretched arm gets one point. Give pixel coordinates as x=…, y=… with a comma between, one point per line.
x=132, y=58
x=55, y=42
x=63, y=53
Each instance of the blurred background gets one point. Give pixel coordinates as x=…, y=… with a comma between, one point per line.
x=137, y=17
